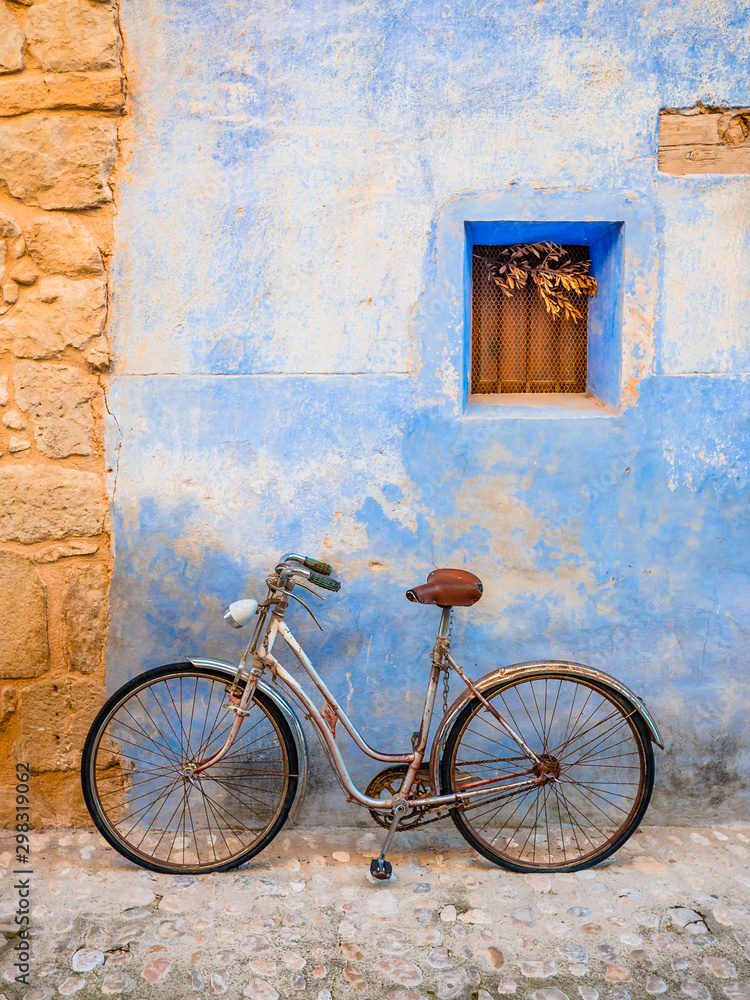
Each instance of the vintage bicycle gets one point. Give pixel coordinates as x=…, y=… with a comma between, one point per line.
x=196, y=766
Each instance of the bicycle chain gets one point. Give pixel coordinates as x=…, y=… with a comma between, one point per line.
x=446, y=667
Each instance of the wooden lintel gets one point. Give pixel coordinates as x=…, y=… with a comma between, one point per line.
x=705, y=142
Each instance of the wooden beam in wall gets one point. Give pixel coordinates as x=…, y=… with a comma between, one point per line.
x=699, y=141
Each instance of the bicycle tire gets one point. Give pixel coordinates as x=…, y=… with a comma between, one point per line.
x=108, y=770
x=538, y=729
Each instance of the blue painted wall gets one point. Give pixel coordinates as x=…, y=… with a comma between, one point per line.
x=289, y=321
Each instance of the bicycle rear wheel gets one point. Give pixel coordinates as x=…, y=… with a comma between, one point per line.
x=144, y=800
x=596, y=751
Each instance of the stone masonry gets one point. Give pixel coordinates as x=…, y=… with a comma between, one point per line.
x=61, y=100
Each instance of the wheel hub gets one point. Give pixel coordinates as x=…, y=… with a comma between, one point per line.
x=547, y=767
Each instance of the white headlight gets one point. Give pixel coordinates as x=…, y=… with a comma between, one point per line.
x=240, y=612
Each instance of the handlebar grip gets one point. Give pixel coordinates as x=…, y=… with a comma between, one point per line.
x=318, y=566
x=326, y=582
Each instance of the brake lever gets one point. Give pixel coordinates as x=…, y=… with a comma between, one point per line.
x=299, y=583
x=309, y=610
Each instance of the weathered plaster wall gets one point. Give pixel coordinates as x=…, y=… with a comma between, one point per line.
x=289, y=330
x=61, y=96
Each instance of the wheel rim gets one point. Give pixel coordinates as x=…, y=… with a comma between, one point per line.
x=145, y=789
x=593, y=763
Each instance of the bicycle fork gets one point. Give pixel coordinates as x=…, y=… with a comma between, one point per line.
x=241, y=711
x=241, y=706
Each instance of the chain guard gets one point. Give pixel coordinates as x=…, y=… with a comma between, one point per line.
x=389, y=780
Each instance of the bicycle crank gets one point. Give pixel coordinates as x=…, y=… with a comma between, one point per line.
x=389, y=781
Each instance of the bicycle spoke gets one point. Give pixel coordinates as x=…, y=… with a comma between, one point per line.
x=518, y=827
x=580, y=731
x=559, y=790
x=200, y=752
x=580, y=713
x=177, y=827
x=598, y=743
x=559, y=820
x=590, y=821
x=152, y=768
x=168, y=755
x=531, y=828
x=542, y=739
x=238, y=798
x=143, y=749
x=142, y=794
x=600, y=796
x=216, y=805
x=622, y=767
x=524, y=796
x=594, y=739
x=192, y=708
x=142, y=812
x=178, y=713
x=169, y=721
x=165, y=744
x=517, y=728
x=208, y=803
x=192, y=830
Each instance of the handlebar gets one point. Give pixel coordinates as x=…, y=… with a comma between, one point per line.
x=316, y=571
x=326, y=582
x=317, y=566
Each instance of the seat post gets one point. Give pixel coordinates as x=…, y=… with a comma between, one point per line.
x=445, y=618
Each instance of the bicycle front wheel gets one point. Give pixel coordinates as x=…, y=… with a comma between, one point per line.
x=143, y=795
x=597, y=760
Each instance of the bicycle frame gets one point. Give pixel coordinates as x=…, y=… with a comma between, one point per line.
x=325, y=720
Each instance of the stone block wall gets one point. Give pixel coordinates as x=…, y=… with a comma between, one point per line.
x=61, y=99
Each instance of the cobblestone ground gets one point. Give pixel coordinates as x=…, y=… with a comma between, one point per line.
x=667, y=916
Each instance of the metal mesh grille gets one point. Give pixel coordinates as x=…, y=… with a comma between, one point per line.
x=516, y=345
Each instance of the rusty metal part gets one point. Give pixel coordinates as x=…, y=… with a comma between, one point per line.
x=331, y=718
x=390, y=780
x=547, y=766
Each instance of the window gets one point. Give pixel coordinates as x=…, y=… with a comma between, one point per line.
x=520, y=359
x=518, y=343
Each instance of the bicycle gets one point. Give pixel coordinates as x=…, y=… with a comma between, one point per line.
x=196, y=766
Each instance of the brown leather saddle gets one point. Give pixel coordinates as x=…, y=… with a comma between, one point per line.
x=448, y=588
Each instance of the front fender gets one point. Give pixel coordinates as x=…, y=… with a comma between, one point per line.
x=529, y=669
x=287, y=711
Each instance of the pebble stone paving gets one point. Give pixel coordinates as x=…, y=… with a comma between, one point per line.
x=666, y=916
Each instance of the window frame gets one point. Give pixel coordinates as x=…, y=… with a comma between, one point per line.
x=604, y=325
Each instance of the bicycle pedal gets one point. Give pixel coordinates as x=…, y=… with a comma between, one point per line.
x=380, y=868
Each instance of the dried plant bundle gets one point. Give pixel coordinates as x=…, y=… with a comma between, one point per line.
x=550, y=268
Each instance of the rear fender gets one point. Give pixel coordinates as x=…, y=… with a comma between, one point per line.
x=287, y=711
x=517, y=670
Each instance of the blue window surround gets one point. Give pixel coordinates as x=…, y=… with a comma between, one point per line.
x=604, y=240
